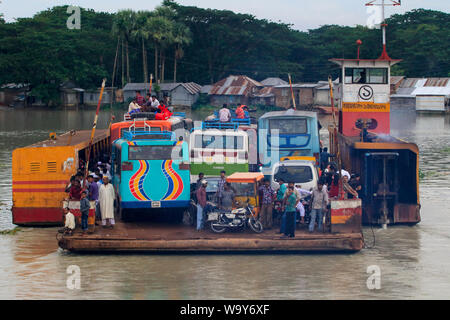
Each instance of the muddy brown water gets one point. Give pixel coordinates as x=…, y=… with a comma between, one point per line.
x=413, y=261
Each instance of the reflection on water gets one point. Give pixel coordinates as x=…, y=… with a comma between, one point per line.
x=413, y=260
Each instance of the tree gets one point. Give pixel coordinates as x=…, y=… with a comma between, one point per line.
x=181, y=37
x=123, y=25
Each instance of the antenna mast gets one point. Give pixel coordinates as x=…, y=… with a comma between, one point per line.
x=383, y=4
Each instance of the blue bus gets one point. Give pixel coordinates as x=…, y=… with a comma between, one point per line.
x=287, y=135
x=151, y=171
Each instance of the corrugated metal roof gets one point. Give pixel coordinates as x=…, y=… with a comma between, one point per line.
x=234, y=85
x=437, y=82
x=432, y=91
x=14, y=86
x=396, y=79
x=191, y=87
x=271, y=82
x=300, y=85
x=206, y=89
x=264, y=93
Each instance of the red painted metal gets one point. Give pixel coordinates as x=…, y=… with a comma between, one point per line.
x=29, y=216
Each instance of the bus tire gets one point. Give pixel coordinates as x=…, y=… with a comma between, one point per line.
x=188, y=219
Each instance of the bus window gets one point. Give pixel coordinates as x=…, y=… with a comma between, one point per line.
x=208, y=142
x=234, y=142
x=289, y=126
x=155, y=153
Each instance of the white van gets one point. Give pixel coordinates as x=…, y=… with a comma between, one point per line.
x=301, y=172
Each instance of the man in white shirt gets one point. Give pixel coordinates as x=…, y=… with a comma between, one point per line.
x=69, y=225
x=154, y=103
x=224, y=114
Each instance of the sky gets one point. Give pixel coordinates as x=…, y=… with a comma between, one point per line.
x=303, y=14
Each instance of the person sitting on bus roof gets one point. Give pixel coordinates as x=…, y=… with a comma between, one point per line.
x=246, y=112
x=139, y=99
x=133, y=106
x=224, y=114
x=163, y=112
x=240, y=112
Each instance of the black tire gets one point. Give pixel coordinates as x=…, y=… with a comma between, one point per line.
x=255, y=225
x=188, y=219
x=217, y=229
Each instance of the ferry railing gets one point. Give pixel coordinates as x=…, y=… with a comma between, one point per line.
x=219, y=125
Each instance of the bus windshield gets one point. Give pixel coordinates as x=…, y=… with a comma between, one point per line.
x=289, y=126
x=155, y=153
x=296, y=174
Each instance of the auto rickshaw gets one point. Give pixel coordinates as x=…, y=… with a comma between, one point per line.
x=245, y=209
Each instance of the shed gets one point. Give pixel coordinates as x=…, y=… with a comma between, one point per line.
x=14, y=94
x=432, y=99
x=71, y=94
x=179, y=94
x=272, y=82
x=234, y=90
x=303, y=93
x=91, y=96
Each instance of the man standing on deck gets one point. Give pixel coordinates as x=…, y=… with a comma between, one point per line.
x=106, y=199
x=93, y=195
x=319, y=202
x=201, y=204
x=266, y=196
x=85, y=205
x=221, y=186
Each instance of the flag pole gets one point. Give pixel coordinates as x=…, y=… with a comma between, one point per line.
x=292, y=91
x=94, y=126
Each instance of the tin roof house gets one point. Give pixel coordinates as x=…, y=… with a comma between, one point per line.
x=234, y=90
x=179, y=94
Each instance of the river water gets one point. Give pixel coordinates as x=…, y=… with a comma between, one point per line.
x=413, y=261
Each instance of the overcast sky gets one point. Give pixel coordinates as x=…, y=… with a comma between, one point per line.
x=303, y=14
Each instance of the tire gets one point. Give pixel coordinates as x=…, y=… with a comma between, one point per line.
x=255, y=225
x=217, y=229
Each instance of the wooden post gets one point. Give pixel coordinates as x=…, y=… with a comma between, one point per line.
x=292, y=91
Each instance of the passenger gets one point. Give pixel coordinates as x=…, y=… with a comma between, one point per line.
x=201, y=204
x=324, y=158
x=201, y=175
x=347, y=188
x=319, y=202
x=240, y=112
x=355, y=183
x=301, y=210
x=290, y=202
x=221, y=185
x=133, y=106
x=281, y=190
x=246, y=112
x=85, y=205
x=334, y=186
x=224, y=114
x=152, y=104
x=296, y=192
x=163, y=112
x=106, y=196
x=266, y=196
x=227, y=198
x=69, y=225
x=139, y=99
x=75, y=190
x=93, y=195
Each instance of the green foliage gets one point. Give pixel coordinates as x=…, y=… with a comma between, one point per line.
x=204, y=46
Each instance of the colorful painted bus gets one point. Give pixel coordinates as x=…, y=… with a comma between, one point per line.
x=151, y=171
x=214, y=150
x=298, y=134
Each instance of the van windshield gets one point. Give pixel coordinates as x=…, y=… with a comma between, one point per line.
x=296, y=174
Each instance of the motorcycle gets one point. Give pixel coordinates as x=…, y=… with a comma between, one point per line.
x=236, y=219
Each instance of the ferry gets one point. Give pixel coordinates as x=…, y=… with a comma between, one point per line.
x=41, y=171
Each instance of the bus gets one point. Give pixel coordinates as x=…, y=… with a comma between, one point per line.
x=151, y=171
x=214, y=150
x=298, y=134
